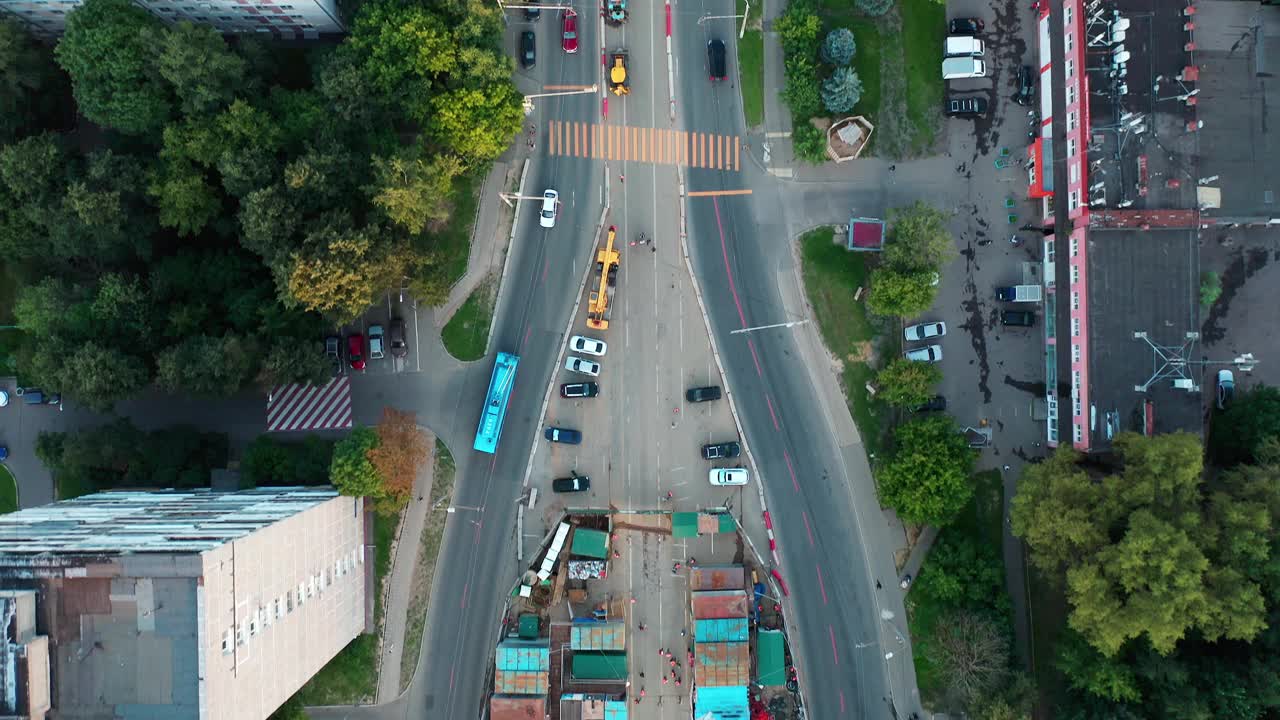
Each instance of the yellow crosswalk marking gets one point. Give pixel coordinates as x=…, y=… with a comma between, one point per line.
x=656, y=146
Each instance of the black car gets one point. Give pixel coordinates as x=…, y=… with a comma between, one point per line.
x=715, y=59
x=966, y=106
x=721, y=450
x=563, y=435
x=532, y=14
x=1026, y=85
x=937, y=403
x=1020, y=318
x=579, y=390
x=576, y=483
x=966, y=26
x=528, y=52
x=398, y=346
x=702, y=394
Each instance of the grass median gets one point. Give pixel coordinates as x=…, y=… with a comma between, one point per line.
x=466, y=335
x=8, y=491
x=425, y=568
x=922, y=21
x=751, y=62
x=832, y=275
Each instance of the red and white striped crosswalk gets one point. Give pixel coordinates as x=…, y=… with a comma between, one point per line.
x=292, y=408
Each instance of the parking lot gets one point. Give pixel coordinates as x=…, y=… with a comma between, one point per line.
x=394, y=307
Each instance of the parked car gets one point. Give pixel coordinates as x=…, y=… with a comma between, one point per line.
x=579, y=390
x=1226, y=388
x=965, y=106
x=721, y=450
x=569, y=38
x=728, y=476
x=966, y=26
x=333, y=351
x=355, y=351
x=585, y=367
x=550, y=208
x=4, y=453
x=563, y=435
x=936, y=403
x=36, y=396
x=528, y=50
x=1026, y=86
x=960, y=68
x=929, y=353
x=1020, y=318
x=702, y=394
x=715, y=60
x=924, y=331
x=906, y=581
x=398, y=346
x=377, y=336
x=576, y=483
x=532, y=14
x=963, y=46
x=590, y=346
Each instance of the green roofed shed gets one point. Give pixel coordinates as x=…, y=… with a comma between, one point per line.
x=591, y=543
x=727, y=523
x=684, y=524
x=770, y=659
x=599, y=666
x=529, y=626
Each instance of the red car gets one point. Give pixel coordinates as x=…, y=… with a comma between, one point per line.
x=570, y=40
x=355, y=351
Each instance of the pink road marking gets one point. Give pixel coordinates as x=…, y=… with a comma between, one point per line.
x=668, y=19
x=771, y=413
x=467, y=586
x=834, y=654
x=724, y=252
x=527, y=332
x=794, y=483
x=842, y=702
x=807, y=529
x=546, y=265
x=822, y=585
x=754, y=357
x=604, y=108
x=451, y=671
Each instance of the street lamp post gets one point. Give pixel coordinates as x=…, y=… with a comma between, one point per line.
x=528, y=99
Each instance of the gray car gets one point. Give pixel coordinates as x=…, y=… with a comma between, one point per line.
x=377, y=337
x=398, y=347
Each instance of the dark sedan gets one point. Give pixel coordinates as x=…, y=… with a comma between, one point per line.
x=721, y=450
x=966, y=106
x=528, y=51
x=966, y=26
x=563, y=435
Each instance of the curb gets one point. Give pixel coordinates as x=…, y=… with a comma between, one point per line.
x=506, y=263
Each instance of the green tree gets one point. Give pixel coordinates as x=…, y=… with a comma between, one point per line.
x=918, y=239
x=1094, y=673
x=352, y=472
x=476, y=124
x=291, y=360
x=402, y=43
x=1210, y=288
x=841, y=91
x=1237, y=432
x=972, y=651
x=927, y=481
x=98, y=376
x=902, y=294
x=1058, y=511
x=268, y=220
x=206, y=365
x=809, y=143
x=30, y=84
x=802, y=92
x=339, y=269
x=186, y=200
x=108, y=49
x=204, y=72
x=413, y=192
x=875, y=8
x=962, y=573
x=904, y=383
x=839, y=47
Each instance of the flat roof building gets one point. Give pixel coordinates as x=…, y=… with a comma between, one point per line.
x=287, y=19
x=189, y=604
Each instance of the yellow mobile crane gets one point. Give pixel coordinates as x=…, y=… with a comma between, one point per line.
x=605, y=281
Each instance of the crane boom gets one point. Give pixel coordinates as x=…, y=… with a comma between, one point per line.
x=604, y=282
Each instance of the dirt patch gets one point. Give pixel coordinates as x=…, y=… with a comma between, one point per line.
x=863, y=352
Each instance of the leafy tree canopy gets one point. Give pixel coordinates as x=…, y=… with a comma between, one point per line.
x=904, y=383
x=901, y=293
x=1237, y=432
x=918, y=239
x=927, y=481
x=352, y=472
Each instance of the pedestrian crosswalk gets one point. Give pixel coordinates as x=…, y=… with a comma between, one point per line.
x=644, y=144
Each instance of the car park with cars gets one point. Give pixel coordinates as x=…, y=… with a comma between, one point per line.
x=587, y=345
x=702, y=394
x=929, y=353
x=579, y=390
x=584, y=367
x=574, y=483
x=717, y=451
x=355, y=351
x=728, y=476
x=924, y=331
x=563, y=435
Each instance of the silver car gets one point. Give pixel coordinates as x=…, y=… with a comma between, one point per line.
x=578, y=365
x=929, y=353
x=377, y=342
x=924, y=331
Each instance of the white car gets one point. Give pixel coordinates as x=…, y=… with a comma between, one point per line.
x=585, y=367
x=550, y=206
x=590, y=346
x=728, y=476
x=924, y=331
x=377, y=349
x=929, y=353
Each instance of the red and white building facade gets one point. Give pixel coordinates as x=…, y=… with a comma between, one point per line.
x=284, y=19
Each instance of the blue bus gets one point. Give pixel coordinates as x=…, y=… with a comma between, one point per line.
x=495, y=403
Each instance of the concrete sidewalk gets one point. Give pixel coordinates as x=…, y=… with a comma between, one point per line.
x=399, y=588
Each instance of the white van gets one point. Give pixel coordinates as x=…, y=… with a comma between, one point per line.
x=964, y=46
x=956, y=68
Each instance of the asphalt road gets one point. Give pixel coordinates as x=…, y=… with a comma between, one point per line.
x=741, y=256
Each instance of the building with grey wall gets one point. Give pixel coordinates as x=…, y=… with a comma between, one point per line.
x=197, y=605
x=284, y=19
